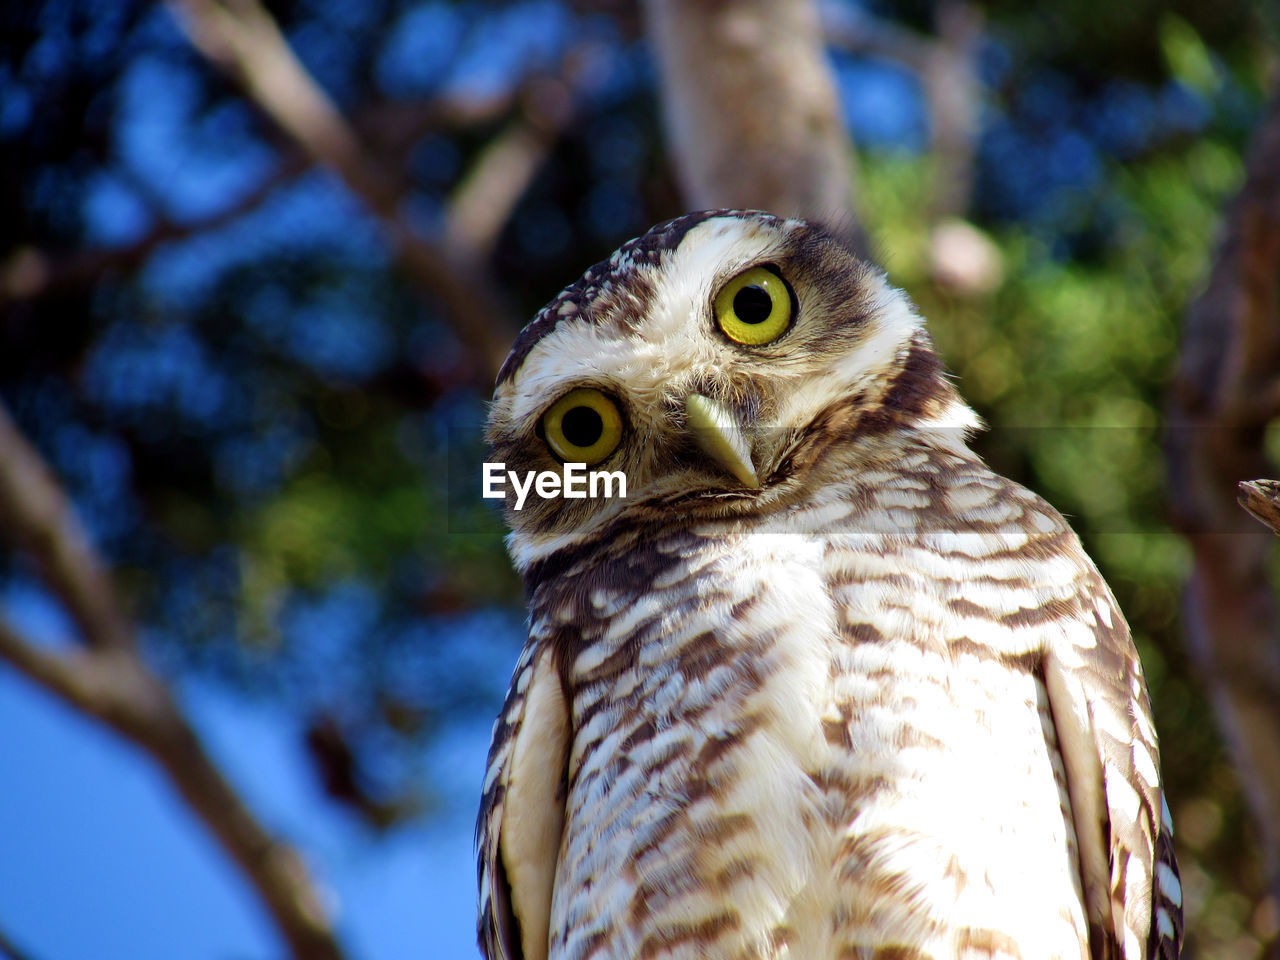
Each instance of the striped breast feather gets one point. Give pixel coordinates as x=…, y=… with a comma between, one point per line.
x=1133, y=898
x=522, y=811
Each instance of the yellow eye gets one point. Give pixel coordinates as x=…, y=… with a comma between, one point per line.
x=754, y=307
x=583, y=426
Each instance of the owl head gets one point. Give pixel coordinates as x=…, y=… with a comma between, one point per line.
x=725, y=363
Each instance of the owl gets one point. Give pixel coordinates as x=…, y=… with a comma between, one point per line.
x=820, y=685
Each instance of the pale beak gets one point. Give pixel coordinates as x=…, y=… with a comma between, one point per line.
x=720, y=435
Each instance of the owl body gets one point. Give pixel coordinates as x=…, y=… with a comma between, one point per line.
x=823, y=685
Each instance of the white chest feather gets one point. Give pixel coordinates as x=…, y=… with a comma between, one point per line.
x=692, y=807
x=758, y=771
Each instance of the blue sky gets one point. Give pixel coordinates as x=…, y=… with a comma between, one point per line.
x=98, y=860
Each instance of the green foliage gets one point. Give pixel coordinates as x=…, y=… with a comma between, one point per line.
x=1188, y=58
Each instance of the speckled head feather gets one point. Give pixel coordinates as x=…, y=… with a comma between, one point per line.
x=821, y=685
x=619, y=276
x=640, y=327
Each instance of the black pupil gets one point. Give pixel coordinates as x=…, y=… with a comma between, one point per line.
x=752, y=304
x=582, y=426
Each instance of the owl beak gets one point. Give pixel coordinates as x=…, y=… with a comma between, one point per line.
x=720, y=436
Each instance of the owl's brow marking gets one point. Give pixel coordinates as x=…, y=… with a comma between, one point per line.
x=611, y=277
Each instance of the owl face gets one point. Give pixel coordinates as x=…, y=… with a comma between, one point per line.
x=699, y=360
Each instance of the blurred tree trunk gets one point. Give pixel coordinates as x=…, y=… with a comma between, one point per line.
x=1226, y=391
x=751, y=110
x=953, y=91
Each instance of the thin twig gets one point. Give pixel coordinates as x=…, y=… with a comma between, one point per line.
x=391, y=127
x=947, y=67
x=31, y=273
x=860, y=33
x=482, y=202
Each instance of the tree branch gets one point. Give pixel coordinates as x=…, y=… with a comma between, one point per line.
x=240, y=38
x=952, y=94
x=859, y=33
x=115, y=687
x=948, y=70
x=391, y=128
x=751, y=110
x=31, y=273
x=109, y=682
x=10, y=950
x=1218, y=414
x=37, y=515
x=482, y=203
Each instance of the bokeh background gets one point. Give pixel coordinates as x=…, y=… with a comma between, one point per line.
x=247, y=373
